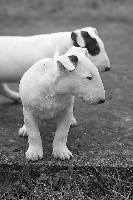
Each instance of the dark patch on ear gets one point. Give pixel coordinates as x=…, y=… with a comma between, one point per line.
x=61, y=66
x=91, y=44
x=74, y=38
x=73, y=59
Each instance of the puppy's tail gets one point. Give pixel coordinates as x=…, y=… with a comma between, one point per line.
x=57, y=51
x=5, y=91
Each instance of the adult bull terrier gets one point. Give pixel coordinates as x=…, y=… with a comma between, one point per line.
x=17, y=54
x=47, y=90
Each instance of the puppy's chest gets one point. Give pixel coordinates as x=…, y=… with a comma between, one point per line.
x=51, y=107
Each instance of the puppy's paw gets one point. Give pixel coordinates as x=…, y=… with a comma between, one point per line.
x=22, y=131
x=34, y=153
x=62, y=152
x=74, y=121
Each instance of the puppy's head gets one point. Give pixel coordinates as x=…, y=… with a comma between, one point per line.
x=79, y=76
x=88, y=38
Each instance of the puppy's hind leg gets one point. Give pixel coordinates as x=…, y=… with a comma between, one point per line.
x=74, y=121
x=5, y=91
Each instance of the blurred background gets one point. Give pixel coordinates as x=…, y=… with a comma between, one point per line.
x=40, y=15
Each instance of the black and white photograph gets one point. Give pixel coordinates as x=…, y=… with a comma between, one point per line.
x=66, y=100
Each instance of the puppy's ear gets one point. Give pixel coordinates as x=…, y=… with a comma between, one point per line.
x=86, y=53
x=82, y=50
x=73, y=36
x=61, y=66
x=77, y=38
x=85, y=35
x=73, y=59
x=65, y=64
x=95, y=30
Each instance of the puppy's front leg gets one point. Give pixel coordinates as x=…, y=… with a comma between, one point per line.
x=60, y=149
x=35, y=150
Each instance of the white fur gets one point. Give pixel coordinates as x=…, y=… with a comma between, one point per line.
x=17, y=54
x=47, y=91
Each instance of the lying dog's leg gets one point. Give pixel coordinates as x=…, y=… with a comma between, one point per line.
x=23, y=131
x=5, y=91
x=35, y=150
x=60, y=149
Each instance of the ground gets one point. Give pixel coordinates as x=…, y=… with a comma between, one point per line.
x=103, y=139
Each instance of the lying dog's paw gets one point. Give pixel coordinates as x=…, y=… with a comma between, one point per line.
x=74, y=121
x=34, y=153
x=62, y=152
x=23, y=132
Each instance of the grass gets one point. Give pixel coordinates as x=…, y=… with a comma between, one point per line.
x=48, y=181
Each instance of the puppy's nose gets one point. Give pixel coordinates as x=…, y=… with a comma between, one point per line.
x=101, y=101
x=107, y=68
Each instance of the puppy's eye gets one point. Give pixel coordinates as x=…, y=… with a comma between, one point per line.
x=89, y=78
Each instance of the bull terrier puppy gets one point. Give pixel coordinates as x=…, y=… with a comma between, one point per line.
x=17, y=54
x=47, y=90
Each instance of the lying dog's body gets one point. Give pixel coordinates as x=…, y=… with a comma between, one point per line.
x=47, y=90
x=17, y=54
x=20, y=53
